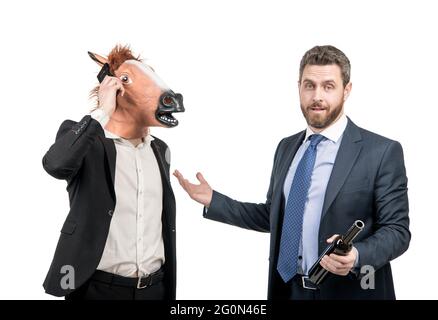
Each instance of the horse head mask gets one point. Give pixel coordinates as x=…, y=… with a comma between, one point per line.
x=147, y=101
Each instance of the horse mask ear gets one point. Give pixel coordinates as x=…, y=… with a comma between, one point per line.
x=97, y=58
x=103, y=62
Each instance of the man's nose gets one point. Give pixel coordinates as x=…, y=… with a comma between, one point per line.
x=318, y=94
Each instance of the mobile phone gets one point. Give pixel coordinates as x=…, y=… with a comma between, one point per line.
x=105, y=71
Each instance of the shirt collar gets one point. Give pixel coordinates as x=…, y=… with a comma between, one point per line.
x=147, y=140
x=333, y=132
x=111, y=135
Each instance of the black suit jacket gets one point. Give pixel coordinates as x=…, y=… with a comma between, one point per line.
x=87, y=160
x=368, y=182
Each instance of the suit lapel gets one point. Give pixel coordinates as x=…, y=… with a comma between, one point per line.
x=347, y=154
x=168, y=196
x=285, y=160
x=110, y=150
x=159, y=154
x=285, y=157
x=289, y=153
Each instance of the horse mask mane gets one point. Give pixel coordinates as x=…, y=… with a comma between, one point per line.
x=147, y=101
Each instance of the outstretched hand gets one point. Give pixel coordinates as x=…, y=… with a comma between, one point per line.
x=201, y=193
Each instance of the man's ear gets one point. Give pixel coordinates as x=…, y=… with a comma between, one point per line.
x=347, y=90
x=97, y=58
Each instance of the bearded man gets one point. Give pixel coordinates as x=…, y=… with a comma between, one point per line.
x=324, y=179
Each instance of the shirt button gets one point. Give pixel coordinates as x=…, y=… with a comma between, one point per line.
x=300, y=257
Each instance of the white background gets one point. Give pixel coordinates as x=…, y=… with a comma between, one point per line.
x=236, y=63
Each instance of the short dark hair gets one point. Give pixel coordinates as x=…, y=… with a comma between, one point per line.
x=327, y=55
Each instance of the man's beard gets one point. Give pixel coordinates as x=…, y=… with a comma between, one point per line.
x=323, y=119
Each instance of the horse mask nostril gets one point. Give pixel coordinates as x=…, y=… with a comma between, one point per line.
x=168, y=101
x=171, y=102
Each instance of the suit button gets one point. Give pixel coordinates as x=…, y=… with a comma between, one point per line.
x=110, y=213
x=173, y=230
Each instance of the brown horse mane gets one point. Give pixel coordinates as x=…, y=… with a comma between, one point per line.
x=120, y=54
x=116, y=57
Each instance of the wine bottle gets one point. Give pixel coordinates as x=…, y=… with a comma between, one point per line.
x=342, y=245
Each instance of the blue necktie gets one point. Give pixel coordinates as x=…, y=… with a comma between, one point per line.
x=293, y=215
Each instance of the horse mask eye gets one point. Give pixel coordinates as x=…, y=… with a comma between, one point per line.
x=125, y=79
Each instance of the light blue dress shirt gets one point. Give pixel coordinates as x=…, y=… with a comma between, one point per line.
x=325, y=159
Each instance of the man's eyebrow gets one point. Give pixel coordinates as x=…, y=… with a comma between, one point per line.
x=329, y=81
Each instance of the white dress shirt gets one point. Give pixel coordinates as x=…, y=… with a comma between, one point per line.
x=134, y=246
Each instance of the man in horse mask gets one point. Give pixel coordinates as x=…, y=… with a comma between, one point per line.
x=118, y=241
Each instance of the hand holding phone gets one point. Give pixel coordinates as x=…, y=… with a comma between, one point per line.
x=107, y=94
x=105, y=71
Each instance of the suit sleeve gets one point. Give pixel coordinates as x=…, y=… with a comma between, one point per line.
x=392, y=235
x=253, y=216
x=73, y=140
